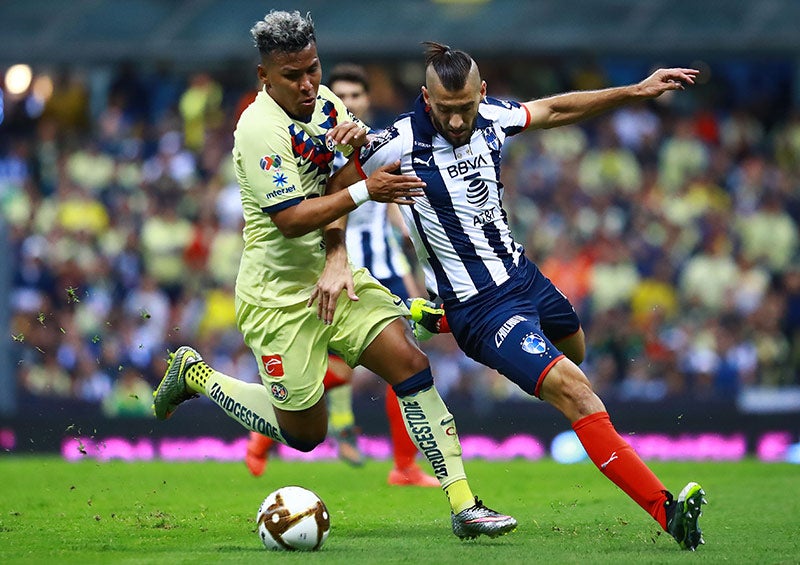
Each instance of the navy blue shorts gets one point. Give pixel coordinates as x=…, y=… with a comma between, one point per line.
x=513, y=329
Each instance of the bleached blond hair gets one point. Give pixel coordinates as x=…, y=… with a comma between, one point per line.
x=285, y=32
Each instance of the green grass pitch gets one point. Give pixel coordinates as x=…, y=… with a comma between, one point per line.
x=115, y=512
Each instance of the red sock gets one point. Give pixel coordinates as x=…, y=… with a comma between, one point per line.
x=331, y=379
x=617, y=460
x=405, y=452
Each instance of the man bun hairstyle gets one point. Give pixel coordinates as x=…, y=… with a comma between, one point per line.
x=284, y=32
x=452, y=66
x=349, y=72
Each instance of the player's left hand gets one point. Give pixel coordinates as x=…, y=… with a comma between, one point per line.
x=346, y=133
x=336, y=277
x=667, y=79
x=426, y=318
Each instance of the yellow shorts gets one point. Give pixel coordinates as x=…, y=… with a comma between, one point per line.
x=291, y=344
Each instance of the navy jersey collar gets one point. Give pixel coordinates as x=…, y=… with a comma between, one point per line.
x=423, y=117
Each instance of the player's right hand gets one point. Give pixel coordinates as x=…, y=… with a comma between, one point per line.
x=385, y=186
x=336, y=276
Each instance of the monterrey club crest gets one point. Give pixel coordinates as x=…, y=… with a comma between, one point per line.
x=534, y=344
x=491, y=139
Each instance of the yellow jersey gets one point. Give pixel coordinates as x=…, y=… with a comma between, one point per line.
x=281, y=160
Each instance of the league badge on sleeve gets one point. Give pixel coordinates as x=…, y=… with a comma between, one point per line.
x=270, y=162
x=377, y=142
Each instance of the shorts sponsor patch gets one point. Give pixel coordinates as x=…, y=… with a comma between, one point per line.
x=273, y=365
x=506, y=328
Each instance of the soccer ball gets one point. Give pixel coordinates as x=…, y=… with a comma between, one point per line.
x=293, y=518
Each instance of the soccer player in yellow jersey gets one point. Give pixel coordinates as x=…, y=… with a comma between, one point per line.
x=294, y=256
x=369, y=244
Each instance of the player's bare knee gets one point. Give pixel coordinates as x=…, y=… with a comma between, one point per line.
x=574, y=347
x=567, y=388
x=417, y=361
x=403, y=362
x=303, y=437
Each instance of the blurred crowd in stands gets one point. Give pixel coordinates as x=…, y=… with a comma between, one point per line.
x=673, y=226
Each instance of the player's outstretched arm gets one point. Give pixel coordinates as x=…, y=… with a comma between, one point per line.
x=572, y=107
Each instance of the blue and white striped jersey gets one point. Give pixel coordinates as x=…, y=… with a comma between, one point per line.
x=459, y=228
x=371, y=243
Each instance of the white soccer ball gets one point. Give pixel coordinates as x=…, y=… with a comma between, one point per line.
x=293, y=518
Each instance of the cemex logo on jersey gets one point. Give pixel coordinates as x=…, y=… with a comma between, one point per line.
x=273, y=365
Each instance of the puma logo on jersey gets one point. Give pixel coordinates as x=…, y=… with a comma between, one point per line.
x=419, y=161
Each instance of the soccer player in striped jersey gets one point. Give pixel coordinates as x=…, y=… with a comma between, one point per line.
x=297, y=295
x=501, y=309
x=370, y=244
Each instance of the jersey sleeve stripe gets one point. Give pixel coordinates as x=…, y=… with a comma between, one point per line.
x=282, y=205
x=359, y=168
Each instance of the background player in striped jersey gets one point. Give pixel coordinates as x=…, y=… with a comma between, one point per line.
x=370, y=244
x=294, y=257
x=501, y=309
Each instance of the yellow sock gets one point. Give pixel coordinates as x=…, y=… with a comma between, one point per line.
x=247, y=403
x=197, y=377
x=340, y=408
x=433, y=430
x=460, y=495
